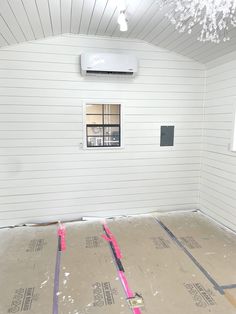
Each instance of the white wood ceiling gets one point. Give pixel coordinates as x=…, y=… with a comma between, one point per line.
x=24, y=20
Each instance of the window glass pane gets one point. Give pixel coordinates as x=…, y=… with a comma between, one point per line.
x=111, y=141
x=103, y=125
x=111, y=131
x=94, y=119
x=94, y=109
x=95, y=131
x=94, y=141
x=111, y=119
x=112, y=109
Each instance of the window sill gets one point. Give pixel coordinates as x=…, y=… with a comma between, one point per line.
x=103, y=148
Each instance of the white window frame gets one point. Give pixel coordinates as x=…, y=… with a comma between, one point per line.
x=105, y=148
x=233, y=131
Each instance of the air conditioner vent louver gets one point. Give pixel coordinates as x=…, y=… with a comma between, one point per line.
x=108, y=64
x=109, y=72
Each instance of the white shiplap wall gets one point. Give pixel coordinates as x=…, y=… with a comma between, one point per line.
x=46, y=175
x=218, y=180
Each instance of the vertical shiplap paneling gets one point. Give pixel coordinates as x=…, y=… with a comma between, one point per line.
x=22, y=18
x=218, y=180
x=46, y=175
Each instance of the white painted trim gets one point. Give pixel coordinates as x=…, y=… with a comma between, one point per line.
x=99, y=101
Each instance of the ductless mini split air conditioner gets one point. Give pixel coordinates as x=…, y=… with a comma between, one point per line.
x=108, y=64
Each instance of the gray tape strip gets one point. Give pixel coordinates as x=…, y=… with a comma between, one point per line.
x=233, y=286
x=199, y=266
x=56, y=279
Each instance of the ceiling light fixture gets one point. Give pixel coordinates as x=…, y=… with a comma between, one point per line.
x=215, y=17
x=122, y=19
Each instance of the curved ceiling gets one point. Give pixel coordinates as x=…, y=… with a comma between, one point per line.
x=26, y=20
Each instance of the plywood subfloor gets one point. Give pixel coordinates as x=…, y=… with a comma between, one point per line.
x=179, y=263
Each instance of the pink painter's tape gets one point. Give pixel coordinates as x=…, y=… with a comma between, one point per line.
x=124, y=281
x=128, y=291
x=112, y=239
x=62, y=233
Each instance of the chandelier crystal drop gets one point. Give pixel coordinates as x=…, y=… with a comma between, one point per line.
x=215, y=17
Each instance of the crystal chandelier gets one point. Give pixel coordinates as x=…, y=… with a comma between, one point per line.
x=214, y=17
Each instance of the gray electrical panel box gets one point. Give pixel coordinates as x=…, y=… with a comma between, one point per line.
x=167, y=135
